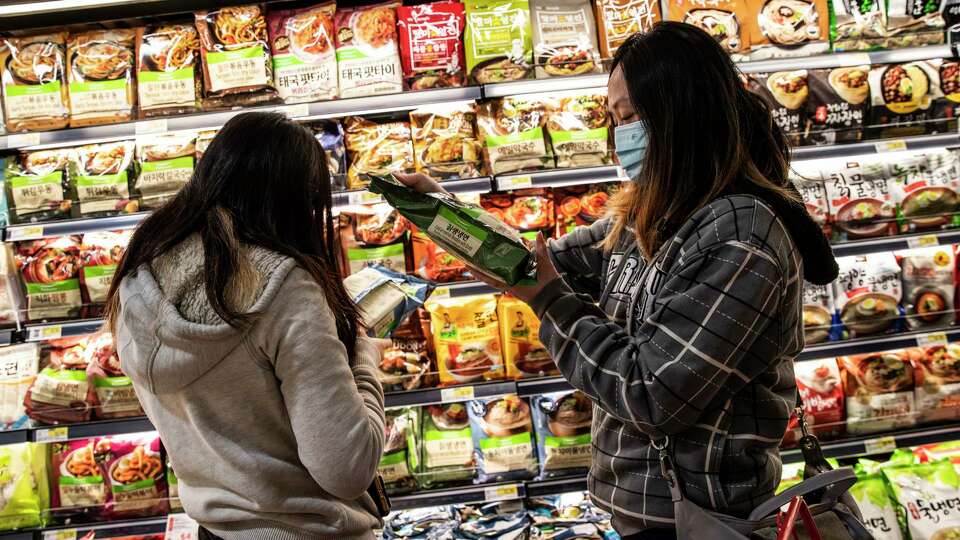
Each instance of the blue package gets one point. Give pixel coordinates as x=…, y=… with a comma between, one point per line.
x=330, y=135
x=491, y=521
x=385, y=298
x=437, y=523
x=562, y=424
x=502, y=433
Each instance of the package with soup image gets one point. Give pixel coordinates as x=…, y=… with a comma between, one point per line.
x=947, y=107
x=937, y=376
x=372, y=235
x=50, y=269
x=817, y=313
x=523, y=353
x=926, y=189
x=400, y=458
x=37, y=186
x=24, y=488
x=35, y=82
x=867, y=294
x=726, y=20
x=446, y=444
x=928, y=286
x=861, y=203
x=498, y=40
x=102, y=176
x=928, y=494
x=838, y=106
x=818, y=383
x=78, y=485
x=513, y=134
x=466, y=335
x=100, y=71
x=562, y=421
x=445, y=142
x=502, y=432
x=166, y=164
x=376, y=148
x=100, y=253
x=619, y=19
x=564, y=38
x=304, y=56
x=135, y=476
x=579, y=130
x=168, y=74
x=368, y=58
x=431, y=46
x=901, y=96
x=879, y=390
x=788, y=28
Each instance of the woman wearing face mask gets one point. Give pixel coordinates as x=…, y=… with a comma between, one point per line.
x=680, y=313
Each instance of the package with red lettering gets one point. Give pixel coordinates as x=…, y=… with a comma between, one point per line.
x=818, y=382
x=135, y=476
x=78, y=488
x=860, y=201
x=431, y=45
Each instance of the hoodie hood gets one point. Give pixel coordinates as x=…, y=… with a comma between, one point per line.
x=173, y=331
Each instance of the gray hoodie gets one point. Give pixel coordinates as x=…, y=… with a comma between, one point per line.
x=273, y=433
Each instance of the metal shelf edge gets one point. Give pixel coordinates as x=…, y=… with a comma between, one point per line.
x=432, y=396
x=46, y=331
x=873, y=344
x=920, y=142
x=860, y=446
x=32, y=231
x=536, y=86
x=833, y=60
x=558, y=177
x=457, y=495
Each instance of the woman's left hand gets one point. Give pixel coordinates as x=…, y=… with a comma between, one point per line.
x=546, y=272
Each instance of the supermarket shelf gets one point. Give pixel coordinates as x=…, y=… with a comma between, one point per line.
x=921, y=142
x=45, y=331
x=877, y=444
x=86, y=430
x=556, y=486
x=467, y=288
x=559, y=177
x=20, y=535
x=848, y=59
x=480, y=184
x=15, y=436
x=461, y=495
x=536, y=387
x=536, y=86
x=891, y=243
x=43, y=13
x=126, y=527
x=7, y=336
x=430, y=396
x=31, y=231
x=878, y=344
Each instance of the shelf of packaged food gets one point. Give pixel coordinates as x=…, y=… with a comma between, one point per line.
x=880, y=343
x=32, y=231
x=556, y=486
x=892, y=243
x=543, y=385
x=920, y=142
x=537, y=86
x=460, y=495
x=84, y=430
x=7, y=336
x=118, y=528
x=480, y=184
x=559, y=177
x=56, y=330
x=878, y=443
x=825, y=61
x=430, y=396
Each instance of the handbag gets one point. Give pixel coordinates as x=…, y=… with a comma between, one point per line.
x=821, y=500
x=378, y=492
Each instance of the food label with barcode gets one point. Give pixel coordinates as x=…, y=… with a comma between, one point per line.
x=36, y=193
x=166, y=88
x=99, y=97
x=393, y=467
x=232, y=69
x=34, y=101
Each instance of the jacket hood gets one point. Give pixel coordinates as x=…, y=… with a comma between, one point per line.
x=173, y=331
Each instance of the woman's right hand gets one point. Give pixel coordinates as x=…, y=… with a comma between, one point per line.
x=420, y=182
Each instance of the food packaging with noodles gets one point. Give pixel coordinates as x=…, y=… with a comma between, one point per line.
x=929, y=275
x=19, y=365
x=498, y=40
x=786, y=94
x=445, y=142
x=237, y=66
x=368, y=58
x=166, y=164
x=620, y=19
x=926, y=188
x=100, y=70
x=35, y=82
x=447, y=446
x=818, y=383
x=100, y=252
x=400, y=457
x=135, y=476
x=330, y=135
x=385, y=298
x=564, y=38
x=525, y=210
x=807, y=178
x=901, y=96
x=817, y=312
x=788, y=28
x=168, y=78
x=579, y=132
x=430, y=44
x=467, y=338
x=432, y=262
x=927, y=493
x=581, y=205
x=102, y=176
x=50, y=268
x=26, y=495
x=946, y=107
x=431, y=522
x=879, y=390
x=38, y=186
x=726, y=20
x=372, y=235
x=861, y=204
x=937, y=376
x=914, y=24
x=407, y=364
x=562, y=421
x=506, y=520
x=857, y=25
x=304, y=52
x=114, y=391
x=63, y=392
x=838, y=105
x=523, y=353
x=867, y=294
x=78, y=486
x=502, y=432
x=513, y=134
x=376, y=148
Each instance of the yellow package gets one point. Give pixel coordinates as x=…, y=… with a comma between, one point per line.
x=523, y=353
x=467, y=338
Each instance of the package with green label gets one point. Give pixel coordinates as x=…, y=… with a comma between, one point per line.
x=876, y=505
x=78, y=486
x=37, y=186
x=100, y=252
x=370, y=235
x=446, y=445
x=135, y=476
x=513, y=133
x=50, y=268
x=304, y=59
x=34, y=82
x=463, y=229
x=116, y=397
x=102, y=177
x=173, y=488
x=400, y=457
x=23, y=481
x=385, y=298
x=498, y=40
x=578, y=129
x=237, y=65
x=928, y=494
x=168, y=78
x=166, y=164
x=63, y=390
x=502, y=433
x=562, y=422
x=368, y=58
x=100, y=70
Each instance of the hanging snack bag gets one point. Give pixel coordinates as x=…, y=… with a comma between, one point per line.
x=447, y=445
x=524, y=209
x=782, y=28
x=385, y=298
x=445, y=144
x=399, y=451
x=116, y=397
x=564, y=38
x=867, y=293
x=581, y=205
x=63, y=392
x=376, y=148
x=467, y=338
x=928, y=494
x=330, y=135
x=23, y=477
x=818, y=383
x=19, y=365
x=620, y=19
x=373, y=235
x=725, y=20
x=914, y=24
x=857, y=25
x=100, y=69
x=34, y=82
x=579, y=133
x=237, y=68
x=839, y=103
x=50, y=269
x=502, y=439
x=785, y=93
x=512, y=131
x=928, y=286
x=304, y=58
x=879, y=391
x=166, y=164
x=861, y=206
x=100, y=253
x=937, y=375
x=876, y=506
x=38, y=186
x=525, y=356
x=498, y=40
x=368, y=59
x=102, y=177
x=430, y=44
x=928, y=196
x=901, y=96
x=432, y=262
x=168, y=81
x=77, y=480
x=562, y=421
x=135, y=476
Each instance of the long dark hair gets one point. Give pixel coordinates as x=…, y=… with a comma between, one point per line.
x=706, y=132
x=262, y=181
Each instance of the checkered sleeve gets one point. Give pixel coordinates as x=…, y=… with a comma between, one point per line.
x=700, y=341
x=579, y=257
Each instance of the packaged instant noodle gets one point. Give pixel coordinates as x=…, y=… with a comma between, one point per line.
x=564, y=38
x=867, y=293
x=524, y=210
x=927, y=191
x=50, y=268
x=102, y=176
x=376, y=148
x=581, y=205
x=445, y=143
x=857, y=25
x=786, y=93
x=237, y=66
x=876, y=505
x=430, y=44
x=135, y=476
x=879, y=390
x=446, y=444
x=498, y=40
x=100, y=252
x=901, y=96
x=783, y=28
x=168, y=78
x=431, y=522
x=937, y=376
x=385, y=298
x=513, y=134
x=619, y=19
x=23, y=484
x=838, y=104
x=948, y=72
x=928, y=494
x=330, y=135
x=913, y=24
x=726, y=20
x=861, y=205
x=818, y=382
x=523, y=353
x=432, y=262
x=115, y=395
x=37, y=186
x=808, y=181
x=463, y=229
x=368, y=58
x=928, y=286
x=166, y=164
x=34, y=82
x=506, y=520
x=63, y=391
x=407, y=364
x=78, y=486
x=100, y=70
x=304, y=56
x=467, y=338
x=373, y=235
x=400, y=458
x=817, y=312
x=562, y=421
x=19, y=365
x=502, y=439
x=579, y=132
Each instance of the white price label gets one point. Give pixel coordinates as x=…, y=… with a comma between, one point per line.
x=516, y=182
x=66, y=534
x=294, y=111
x=457, y=393
x=501, y=493
x=181, y=527
x=854, y=59
x=930, y=340
x=923, y=241
x=19, y=140
x=30, y=232
x=364, y=197
x=880, y=445
x=43, y=333
x=895, y=145
x=57, y=434
x=440, y=292
x=151, y=126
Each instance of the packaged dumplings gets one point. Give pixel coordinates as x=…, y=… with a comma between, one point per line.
x=304, y=57
x=100, y=69
x=502, y=439
x=432, y=262
x=928, y=286
x=564, y=38
x=63, y=391
x=35, y=82
x=467, y=338
x=562, y=421
x=168, y=79
x=524, y=355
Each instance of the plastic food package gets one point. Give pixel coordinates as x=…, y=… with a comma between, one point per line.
x=927, y=191
x=524, y=210
x=373, y=235
x=901, y=96
x=447, y=445
x=237, y=67
x=445, y=141
x=50, y=269
x=385, y=298
x=817, y=312
x=203, y=141
x=523, y=353
x=78, y=486
x=579, y=132
x=368, y=58
x=785, y=93
x=782, y=28
x=102, y=177
x=24, y=493
x=100, y=252
x=173, y=489
x=304, y=57
x=430, y=44
x=135, y=476
x=100, y=69
x=857, y=25
x=838, y=105
x=433, y=523
x=406, y=363
x=562, y=422
x=937, y=376
x=861, y=206
x=867, y=293
x=502, y=439
x=581, y=205
x=166, y=164
x=928, y=286
x=115, y=395
x=63, y=391
x=10, y=298
x=330, y=135
x=726, y=20
x=467, y=338
x=37, y=186
x=948, y=106
x=620, y=19
x=463, y=229
x=19, y=365
x=564, y=38
x=879, y=391
x=818, y=382
x=432, y=262
x=376, y=149
x=928, y=494
x=34, y=82
x=168, y=81
x=498, y=40
x=501, y=520
x=913, y=24
x=513, y=134
x=807, y=178
x=400, y=458
x=877, y=507
x=570, y=515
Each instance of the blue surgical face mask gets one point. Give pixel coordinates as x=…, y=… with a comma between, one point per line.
x=630, y=144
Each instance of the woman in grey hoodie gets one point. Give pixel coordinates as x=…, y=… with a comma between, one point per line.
x=243, y=346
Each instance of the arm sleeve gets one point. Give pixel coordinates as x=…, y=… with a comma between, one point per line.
x=579, y=258
x=704, y=337
x=335, y=405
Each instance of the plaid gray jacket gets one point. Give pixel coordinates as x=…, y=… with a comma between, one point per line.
x=697, y=344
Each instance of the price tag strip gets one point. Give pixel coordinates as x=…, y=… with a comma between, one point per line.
x=515, y=182
x=151, y=126
x=501, y=493
x=880, y=445
x=65, y=534
x=457, y=393
x=43, y=333
x=49, y=435
x=19, y=140
x=923, y=241
x=364, y=197
x=896, y=145
x=30, y=232
x=929, y=340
